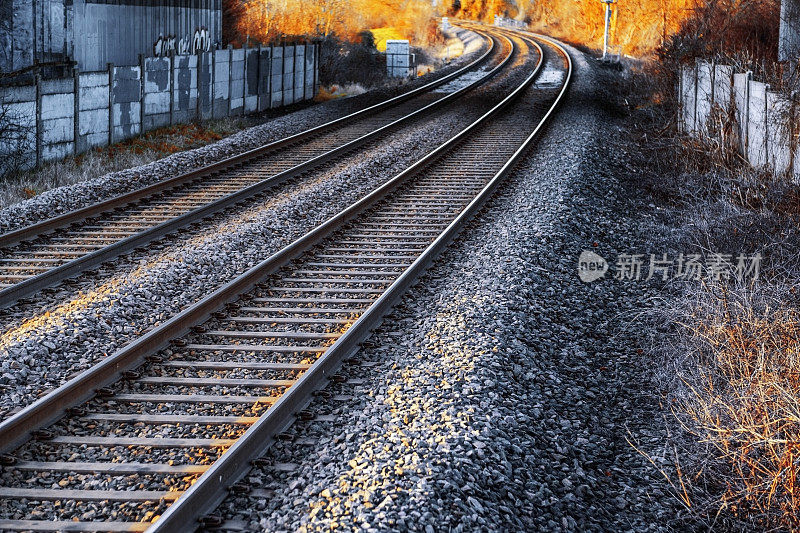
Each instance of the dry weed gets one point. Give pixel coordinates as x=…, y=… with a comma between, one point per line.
x=138, y=151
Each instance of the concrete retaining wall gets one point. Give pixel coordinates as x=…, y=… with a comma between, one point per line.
x=71, y=115
x=763, y=120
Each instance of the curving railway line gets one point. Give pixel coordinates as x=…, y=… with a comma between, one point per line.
x=163, y=429
x=43, y=254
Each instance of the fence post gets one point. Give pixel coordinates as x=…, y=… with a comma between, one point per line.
x=747, y=114
x=681, y=101
x=197, y=112
x=303, y=62
x=171, y=89
x=294, y=71
x=258, y=78
x=38, y=78
x=283, y=73
x=110, y=104
x=317, y=51
x=244, y=77
x=766, y=125
x=213, y=80
x=141, y=94
x=230, y=78
x=76, y=111
x=713, y=84
x=694, y=111
x=269, y=75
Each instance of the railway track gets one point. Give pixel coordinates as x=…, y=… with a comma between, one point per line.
x=166, y=426
x=43, y=254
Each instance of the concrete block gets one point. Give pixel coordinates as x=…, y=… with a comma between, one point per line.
x=264, y=66
x=183, y=86
x=157, y=79
x=25, y=93
x=126, y=120
x=236, y=88
x=93, y=122
x=221, y=56
x=221, y=89
x=757, y=125
x=220, y=108
x=93, y=79
x=252, y=73
x=54, y=152
x=127, y=73
x=180, y=116
x=126, y=132
x=740, y=108
x=59, y=130
x=126, y=85
x=704, y=95
x=221, y=74
x=251, y=102
x=238, y=54
x=277, y=81
x=288, y=66
x=156, y=103
x=23, y=113
x=152, y=122
x=687, y=88
x=57, y=106
x=57, y=86
x=93, y=97
x=723, y=87
x=277, y=63
x=237, y=70
x=155, y=64
x=94, y=139
x=778, y=132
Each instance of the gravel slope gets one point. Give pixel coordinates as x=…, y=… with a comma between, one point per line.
x=68, y=198
x=502, y=393
x=76, y=326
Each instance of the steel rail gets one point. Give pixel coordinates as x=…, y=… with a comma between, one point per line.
x=76, y=266
x=34, y=230
x=209, y=489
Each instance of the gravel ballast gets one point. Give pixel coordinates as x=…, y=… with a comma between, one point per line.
x=502, y=393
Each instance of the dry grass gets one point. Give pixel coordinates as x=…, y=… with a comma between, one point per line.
x=736, y=394
x=150, y=147
x=729, y=351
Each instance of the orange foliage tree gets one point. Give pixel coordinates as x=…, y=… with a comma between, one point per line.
x=639, y=27
x=270, y=20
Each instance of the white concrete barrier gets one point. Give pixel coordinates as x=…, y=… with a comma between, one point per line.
x=763, y=120
x=71, y=115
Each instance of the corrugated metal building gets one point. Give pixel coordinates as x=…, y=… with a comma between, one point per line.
x=96, y=32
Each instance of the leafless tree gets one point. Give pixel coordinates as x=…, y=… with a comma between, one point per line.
x=16, y=138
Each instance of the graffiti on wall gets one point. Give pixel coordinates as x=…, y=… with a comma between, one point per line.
x=192, y=44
